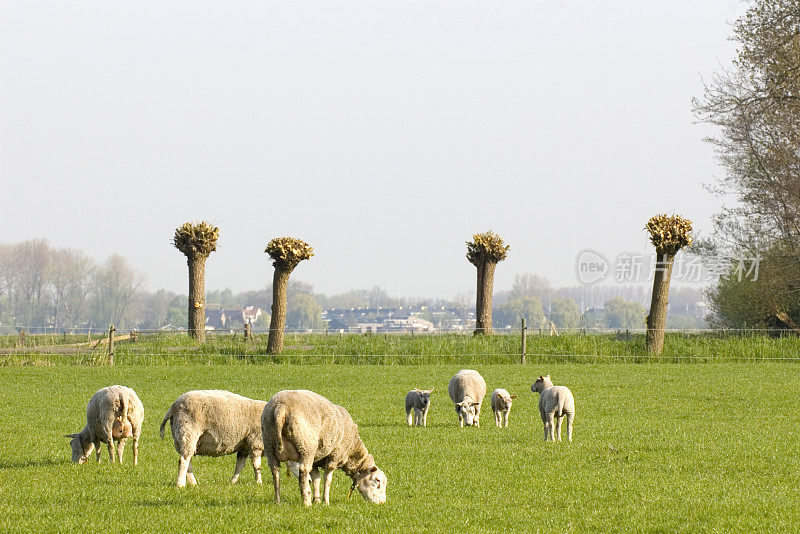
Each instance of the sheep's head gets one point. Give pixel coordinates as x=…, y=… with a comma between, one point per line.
x=542, y=383
x=467, y=411
x=507, y=400
x=425, y=396
x=372, y=485
x=81, y=448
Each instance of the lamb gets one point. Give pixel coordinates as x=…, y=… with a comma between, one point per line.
x=304, y=427
x=467, y=389
x=554, y=402
x=114, y=413
x=501, y=406
x=215, y=423
x=419, y=400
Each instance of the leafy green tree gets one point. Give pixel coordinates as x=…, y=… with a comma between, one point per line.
x=621, y=313
x=512, y=312
x=304, y=313
x=564, y=313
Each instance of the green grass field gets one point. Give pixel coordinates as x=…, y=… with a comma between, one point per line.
x=667, y=447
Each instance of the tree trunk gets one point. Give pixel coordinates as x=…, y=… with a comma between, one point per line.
x=197, y=298
x=657, y=319
x=277, y=322
x=483, y=302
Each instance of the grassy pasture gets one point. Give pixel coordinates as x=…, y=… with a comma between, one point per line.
x=668, y=447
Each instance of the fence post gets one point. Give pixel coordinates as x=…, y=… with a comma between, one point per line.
x=21, y=334
x=524, y=342
x=247, y=333
x=111, y=344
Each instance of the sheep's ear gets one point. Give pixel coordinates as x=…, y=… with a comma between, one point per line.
x=541, y=377
x=476, y=404
x=513, y=396
x=548, y=376
x=374, y=468
x=430, y=390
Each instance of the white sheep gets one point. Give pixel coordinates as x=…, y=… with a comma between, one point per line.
x=215, y=423
x=501, y=406
x=555, y=402
x=114, y=413
x=467, y=389
x=306, y=428
x=418, y=400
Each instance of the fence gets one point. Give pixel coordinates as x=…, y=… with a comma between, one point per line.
x=520, y=345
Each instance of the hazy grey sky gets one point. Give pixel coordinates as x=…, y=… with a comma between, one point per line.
x=384, y=133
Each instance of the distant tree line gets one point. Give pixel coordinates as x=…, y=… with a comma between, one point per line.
x=44, y=287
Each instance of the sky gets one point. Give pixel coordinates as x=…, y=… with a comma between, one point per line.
x=384, y=133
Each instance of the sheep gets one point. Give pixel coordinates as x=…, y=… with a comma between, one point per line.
x=419, y=400
x=467, y=389
x=501, y=406
x=215, y=423
x=114, y=413
x=304, y=427
x=554, y=402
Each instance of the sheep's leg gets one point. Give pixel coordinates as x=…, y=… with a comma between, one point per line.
x=570, y=417
x=136, y=450
x=315, y=479
x=255, y=459
x=183, y=468
x=409, y=417
x=241, y=458
x=305, y=487
x=275, y=468
x=425, y=418
x=120, y=448
x=558, y=428
x=190, y=475
x=111, y=451
x=326, y=496
x=549, y=428
x=478, y=416
x=505, y=418
x=460, y=420
x=97, y=450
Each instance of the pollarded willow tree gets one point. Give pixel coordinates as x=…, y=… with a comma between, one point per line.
x=286, y=253
x=197, y=240
x=484, y=252
x=668, y=234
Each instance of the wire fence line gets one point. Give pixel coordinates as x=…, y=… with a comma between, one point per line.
x=145, y=347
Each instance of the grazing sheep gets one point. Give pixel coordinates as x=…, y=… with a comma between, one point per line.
x=302, y=427
x=215, y=423
x=467, y=389
x=114, y=413
x=419, y=400
x=554, y=403
x=501, y=406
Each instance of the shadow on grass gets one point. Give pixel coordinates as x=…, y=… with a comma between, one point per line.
x=41, y=462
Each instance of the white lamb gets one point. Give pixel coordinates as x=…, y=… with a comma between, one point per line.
x=467, y=390
x=303, y=427
x=215, y=423
x=418, y=400
x=555, y=402
x=501, y=406
x=114, y=413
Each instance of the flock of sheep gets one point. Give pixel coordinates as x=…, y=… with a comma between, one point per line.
x=299, y=427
